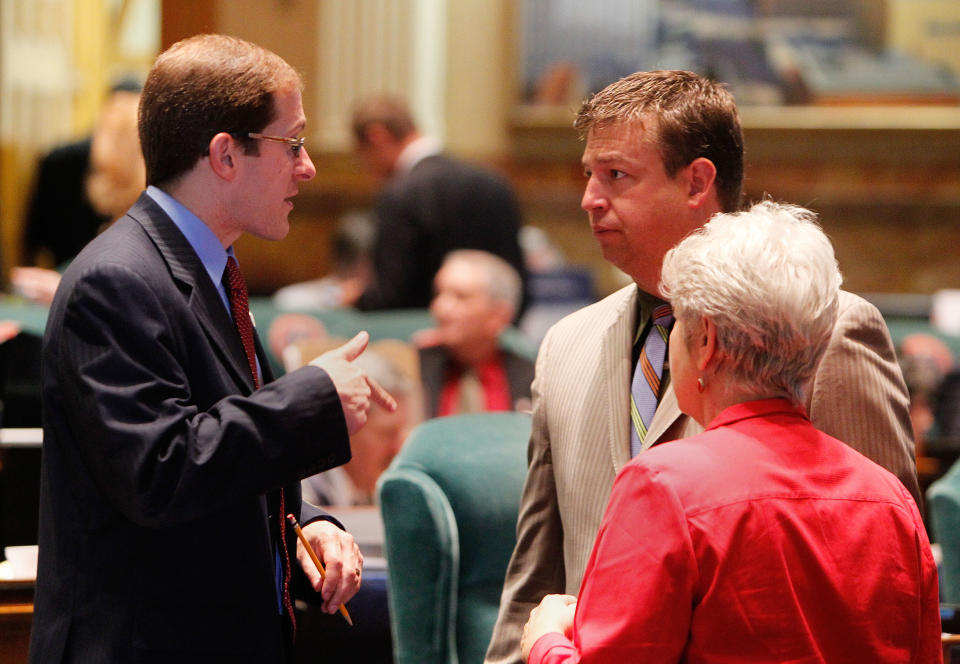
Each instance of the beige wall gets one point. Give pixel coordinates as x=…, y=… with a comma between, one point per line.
x=287, y=28
x=480, y=86
x=477, y=80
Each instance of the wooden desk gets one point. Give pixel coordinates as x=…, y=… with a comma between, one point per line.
x=950, y=641
x=16, y=618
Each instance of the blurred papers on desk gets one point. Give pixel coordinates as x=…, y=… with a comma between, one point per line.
x=20, y=563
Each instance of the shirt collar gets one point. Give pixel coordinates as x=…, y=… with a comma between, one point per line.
x=416, y=151
x=757, y=408
x=198, y=234
x=646, y=303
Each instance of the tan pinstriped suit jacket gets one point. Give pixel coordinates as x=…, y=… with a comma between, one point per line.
x=580, y=437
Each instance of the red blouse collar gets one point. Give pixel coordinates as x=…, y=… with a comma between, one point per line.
x=758, y=408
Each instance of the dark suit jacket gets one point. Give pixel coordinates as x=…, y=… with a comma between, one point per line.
x=442, y=204
x=435, y=361
x=160, y=467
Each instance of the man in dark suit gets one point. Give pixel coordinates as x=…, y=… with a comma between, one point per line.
x=462, y=365
x=431, y=204
x=167, y=469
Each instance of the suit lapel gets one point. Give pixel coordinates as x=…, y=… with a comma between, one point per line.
x=204, y=300
x=433, y=369
x=616, y=354
x=266, y=372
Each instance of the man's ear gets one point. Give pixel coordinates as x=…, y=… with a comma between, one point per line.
x=224, y=156
x=701, y=175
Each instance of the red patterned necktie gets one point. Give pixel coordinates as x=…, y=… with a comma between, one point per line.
x=240, y=310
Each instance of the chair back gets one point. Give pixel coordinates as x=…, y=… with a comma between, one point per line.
x=449, y=502
x=943, y=508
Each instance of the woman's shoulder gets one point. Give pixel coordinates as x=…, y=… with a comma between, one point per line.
x=716, y=467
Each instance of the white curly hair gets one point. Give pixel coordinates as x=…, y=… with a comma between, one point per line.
x=768, y=279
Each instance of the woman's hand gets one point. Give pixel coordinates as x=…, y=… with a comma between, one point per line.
x=554, y=614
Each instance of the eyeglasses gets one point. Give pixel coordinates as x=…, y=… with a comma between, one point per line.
x=296, y=144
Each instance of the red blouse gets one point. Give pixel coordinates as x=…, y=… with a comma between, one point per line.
x=759, y=540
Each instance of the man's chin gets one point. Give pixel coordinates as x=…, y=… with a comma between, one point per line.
x=614, y=255
x=276, y=232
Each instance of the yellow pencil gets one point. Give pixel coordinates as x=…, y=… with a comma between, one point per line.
x=316, y=561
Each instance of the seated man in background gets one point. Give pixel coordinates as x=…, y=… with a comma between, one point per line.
x=372, y=447
x=462, y=366
x=430, y=205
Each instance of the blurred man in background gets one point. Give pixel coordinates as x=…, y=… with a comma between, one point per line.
x=462, y=365
x=430, y=205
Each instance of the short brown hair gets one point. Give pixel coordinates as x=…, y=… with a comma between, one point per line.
x=202, y=86
x=694, y=117
x=389, y=111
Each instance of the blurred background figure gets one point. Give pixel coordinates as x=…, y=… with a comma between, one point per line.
x=430, y=205
x=117, y=174
x=373, y=447
x=462, y=365
x=554, y=287
x=946, y=410
x=81, y=186
x=925, y=360
x=287, y=329
x=80, y=189
x=351, y=246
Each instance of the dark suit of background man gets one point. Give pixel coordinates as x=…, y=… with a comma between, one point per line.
x=431, y=204
x=163, y=465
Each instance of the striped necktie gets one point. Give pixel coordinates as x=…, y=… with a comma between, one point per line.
x=236, y=288
x=645, y=388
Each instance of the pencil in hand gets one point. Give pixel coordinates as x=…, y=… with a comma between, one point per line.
x=316, y=561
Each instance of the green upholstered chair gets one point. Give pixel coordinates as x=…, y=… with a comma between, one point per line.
x=449, y=502
x=943, y=508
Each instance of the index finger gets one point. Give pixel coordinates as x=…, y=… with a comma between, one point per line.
x=380, y=395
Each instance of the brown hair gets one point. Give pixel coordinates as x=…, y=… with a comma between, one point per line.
x=391, y=112
x=691, y=117
x=202, y=86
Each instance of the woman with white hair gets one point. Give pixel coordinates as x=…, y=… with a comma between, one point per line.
x=761, y=539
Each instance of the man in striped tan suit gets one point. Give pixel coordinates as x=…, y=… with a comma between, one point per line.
x=664, y=152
